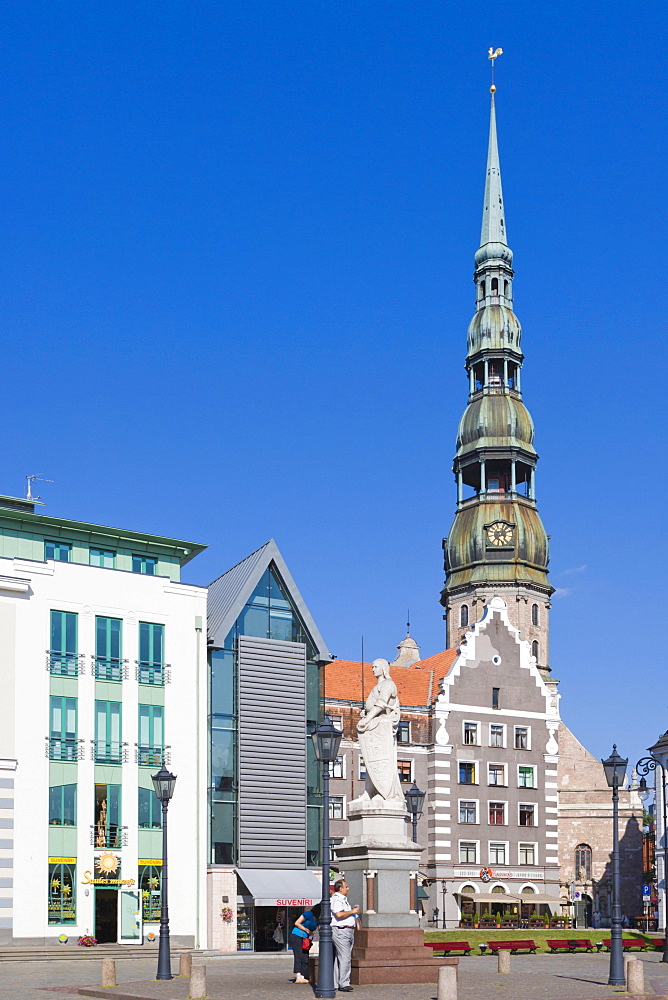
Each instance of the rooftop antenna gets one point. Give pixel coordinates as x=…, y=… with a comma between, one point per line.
x=30, y=480
x=408, y=622
x=493, y=54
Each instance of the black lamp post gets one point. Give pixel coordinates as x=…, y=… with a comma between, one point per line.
x=163, y=783
x=644, y=766
x=615, y=772
x=326, y=742
x=415, y=800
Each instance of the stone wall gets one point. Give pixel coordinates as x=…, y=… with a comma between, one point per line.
x=222, y=882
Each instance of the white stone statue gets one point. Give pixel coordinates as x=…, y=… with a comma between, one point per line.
x=376, y=730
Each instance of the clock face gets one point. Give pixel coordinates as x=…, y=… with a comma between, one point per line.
x=500, y=533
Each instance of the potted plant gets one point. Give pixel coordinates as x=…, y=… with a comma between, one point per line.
x=497, y=919
x=546, y=920
x=476, y=920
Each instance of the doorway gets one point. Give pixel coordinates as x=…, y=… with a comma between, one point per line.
x=106, y=916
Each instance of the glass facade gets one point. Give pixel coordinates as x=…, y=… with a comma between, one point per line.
x=151, y=663
x=108, y=663
x=149, y=810
x=151, y=736
x=63, y=743
x=63, y=805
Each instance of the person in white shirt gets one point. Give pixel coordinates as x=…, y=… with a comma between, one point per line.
x=344, y=918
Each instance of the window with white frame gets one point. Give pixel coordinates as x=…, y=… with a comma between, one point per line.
x=528, y=854
x=522, y=738
x=337, y=768
x=497, y=813
x=471, y=738
x=337, y=722
x=404, y=731
x=527, y=814
x=498, y=852
x=468, y=852
x=497, y=735
x=361, y=769
x=496, y=775
x=468, y=772
x=468, y=810
x=526, y=776
x=336, y=807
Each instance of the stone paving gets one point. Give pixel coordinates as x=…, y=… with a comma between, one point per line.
x=255, y=977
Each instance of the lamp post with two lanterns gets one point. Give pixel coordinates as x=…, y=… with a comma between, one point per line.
x=326, y=742
x=615, y=773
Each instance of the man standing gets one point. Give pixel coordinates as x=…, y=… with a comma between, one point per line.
x=344, y=917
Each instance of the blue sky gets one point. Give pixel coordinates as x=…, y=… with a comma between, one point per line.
x=236, y=249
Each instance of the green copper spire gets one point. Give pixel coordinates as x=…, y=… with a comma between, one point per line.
x=493, y=213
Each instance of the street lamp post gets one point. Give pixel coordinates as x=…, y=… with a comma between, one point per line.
x=163, y=783
x=415, y=801
x=615, y=772
x=326, y=742
x=644, y=766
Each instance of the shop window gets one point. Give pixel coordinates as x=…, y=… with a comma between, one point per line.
x=63, y=805
x=583, y=862
x=149, y=886
x=527, y=812
x=62, y=893
x=149, y=810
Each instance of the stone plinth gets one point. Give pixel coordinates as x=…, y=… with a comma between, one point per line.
x=394, y=955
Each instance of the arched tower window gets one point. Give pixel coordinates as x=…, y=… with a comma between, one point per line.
x=505, y=288
x=483, y=289
x=464, y=615
x=495, y=286
x=534, y=614
x=534, y=649
x=583, y=862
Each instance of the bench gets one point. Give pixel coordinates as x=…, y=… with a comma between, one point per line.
x=572, y=945
x=629, y=943
x=512, y=946
x=447, y=946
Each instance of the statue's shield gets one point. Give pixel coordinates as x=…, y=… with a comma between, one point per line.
x=379, y=753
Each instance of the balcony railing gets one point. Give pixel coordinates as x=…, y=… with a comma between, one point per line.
x=109, y=668
x=64, y=664
x=109, y=752
x=108, y=835
x=151, y=756
x=149, y=672
x=64, y=748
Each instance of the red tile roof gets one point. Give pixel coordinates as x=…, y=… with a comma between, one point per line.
x=416, y=685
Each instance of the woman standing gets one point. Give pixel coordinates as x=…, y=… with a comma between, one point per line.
x=302, y=932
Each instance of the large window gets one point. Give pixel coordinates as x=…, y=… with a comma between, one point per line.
x=471, y=734
x=60, y=551
x=63, y=658
x=269, y=613
x=63, y=743
x=107, y=829
x=468, y=811
x=468, y=852
x=147, y=565
x=467, y=775
x=63, y=893
x=526, y=776
x=149, y=886
x=108, y=663
x=497, y=813
x=151, y=738
x=149, y=810
x=223, y=762
x=63, y=805
x=108, y=747
x=497, y=853
x=151, y=665
x=583, y=863
x=527, y=854
x=496, y=774
x=527, y=812
x=103, y=557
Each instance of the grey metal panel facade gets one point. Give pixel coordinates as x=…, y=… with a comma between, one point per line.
x=272, y=753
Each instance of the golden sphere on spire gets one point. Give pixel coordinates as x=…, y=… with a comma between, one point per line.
x=492, y=89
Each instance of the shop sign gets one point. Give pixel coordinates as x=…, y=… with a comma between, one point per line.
x=87, y=880
x=150, y=861
x=62, y=861
x=500, y=873
x=292, y=902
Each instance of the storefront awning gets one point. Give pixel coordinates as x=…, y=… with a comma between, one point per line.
x=541, y=897
x=491, y=897
x=281, y=886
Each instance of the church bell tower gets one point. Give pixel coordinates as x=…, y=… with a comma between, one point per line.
x=497, y=544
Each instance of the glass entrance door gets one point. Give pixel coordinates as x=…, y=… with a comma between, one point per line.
x=129, y=917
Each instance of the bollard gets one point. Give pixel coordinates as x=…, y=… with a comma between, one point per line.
x=504, y=961
x=447, y=983
x=635, y=976
x=185, y=964
x=108, y=972
x=197, y=982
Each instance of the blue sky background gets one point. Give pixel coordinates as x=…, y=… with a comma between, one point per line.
x=236, y=249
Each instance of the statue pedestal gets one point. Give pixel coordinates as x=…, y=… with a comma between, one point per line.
x=379, y=859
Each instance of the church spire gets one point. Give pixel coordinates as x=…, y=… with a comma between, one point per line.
x=493, y=213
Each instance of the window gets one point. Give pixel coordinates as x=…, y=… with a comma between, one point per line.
x=361, y=769
x=482, y=286
x=108, y=749
x=108, y=663
x=60, y=551
x=63, y=743
x=583, y=863
x=144, y=564
x=534, y=649
x=527, y=854
x=497, y=854
x=505, y=288
x=405, y=769
x=464, y=615
x=534, y=614
x=103, y=557
x=63, y=805
x=495, y=697
x=522, y=738
x=467, y=772
x=151, y=666
x=107, y=830
x=269, y=613
x=337, y=768
x=468, y=811
x=526, y=777
x=471, y=734
x=336, y=807
x=337, y=722
x=497, y=813
x=150, y=749
x=468, y=852
x=404, y=732
x=527, y=814
x=497, y=735
x=63, y=659
x=149, y=886
x=62, y=894
x=495, y=286
x=496, y=774
x=150, y=810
